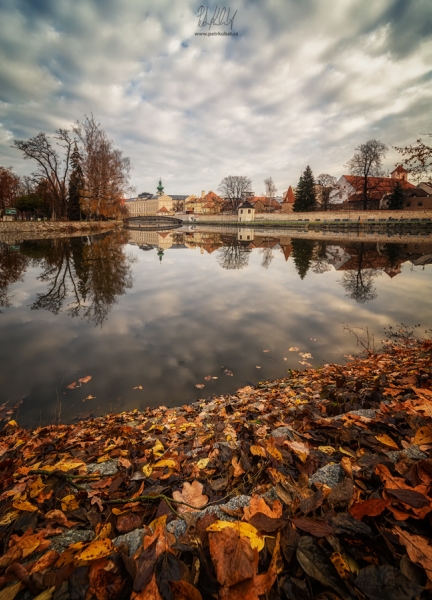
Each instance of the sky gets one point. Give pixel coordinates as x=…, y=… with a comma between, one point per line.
x=302, y=83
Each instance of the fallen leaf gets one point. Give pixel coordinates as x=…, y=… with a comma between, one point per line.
x=243, y=529
x=293, y=349
x=423, y=436
x=369, y=508
x=69, y=503
x=199, y=386
x=167, y=462
x=207, y=377
x=418, y=548
x=387, y=441
x=95, y=550
x=191, y=494
x=202, y=463
x=384, y=581
x=313, y=526
x=10, y=592
x=138, y=387
x=85, y=379
x=233, y=557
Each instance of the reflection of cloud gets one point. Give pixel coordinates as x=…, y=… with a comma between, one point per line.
x=349, y=74
x=184, y=319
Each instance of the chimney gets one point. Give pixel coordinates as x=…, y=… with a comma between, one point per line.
x=203, y=194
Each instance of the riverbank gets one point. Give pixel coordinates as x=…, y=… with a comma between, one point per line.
x=32, y=230
x=317, y=481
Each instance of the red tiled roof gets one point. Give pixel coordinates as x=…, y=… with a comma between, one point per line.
x=211, y=196
x=289, y=196
x=378, y=184
x=271, y=202
x=163, y=209
x=400, y=169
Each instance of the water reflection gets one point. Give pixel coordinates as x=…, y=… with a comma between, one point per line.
x=202, y=302
x=83, y=275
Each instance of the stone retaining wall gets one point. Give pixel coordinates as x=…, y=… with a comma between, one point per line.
x=350, y=216
x=14, y=231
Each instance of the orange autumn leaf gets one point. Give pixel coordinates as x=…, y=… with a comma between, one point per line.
x=259, y=505
x=423, y=436
x=191, y=494
x=387, y=441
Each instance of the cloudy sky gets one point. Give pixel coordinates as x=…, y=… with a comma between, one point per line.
x=302, y=83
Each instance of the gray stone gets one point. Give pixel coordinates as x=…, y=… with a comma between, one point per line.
x=329, y=475
x=133, y=540
x=394, y=455
x=414, y=452
x=370, y=413
x=109, y=467
x=66, y=539
x=285, y=432
x=177, y=527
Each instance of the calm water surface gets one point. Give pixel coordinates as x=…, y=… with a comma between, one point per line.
x=161, y=312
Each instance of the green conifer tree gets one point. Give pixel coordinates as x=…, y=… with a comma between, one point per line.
x=305, y=198
x=302, y=253
x=397, y=197
x=76, y=185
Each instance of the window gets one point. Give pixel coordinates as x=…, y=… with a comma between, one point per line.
x=241, y=211
x=249, y=211
x=248, y=237
x=420, y=204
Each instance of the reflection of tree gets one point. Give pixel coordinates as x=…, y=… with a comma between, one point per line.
x=90, y=273
x=12, y=268
x=320, y=263
x=233, y=255
x=267, y=257
x=394, y=255
x=358, y=281
x=302, y=254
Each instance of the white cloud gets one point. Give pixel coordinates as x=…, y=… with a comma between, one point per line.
x=304, y=83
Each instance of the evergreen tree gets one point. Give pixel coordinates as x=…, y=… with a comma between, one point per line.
x=302, y=253
x=305, y=198
x=397, y=197
x=76, y=185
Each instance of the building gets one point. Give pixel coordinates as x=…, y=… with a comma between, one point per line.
x=246, y=211
x=288, y=201
x=264, y=204
x=348, y=193
x=159, y=204
x=209, y=203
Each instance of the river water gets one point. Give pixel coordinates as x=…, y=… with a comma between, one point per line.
x=149, y=316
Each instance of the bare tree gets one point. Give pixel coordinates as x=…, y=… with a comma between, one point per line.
x=417, y=158
x=270, y=188
x=106, y=170
x=233, y=189
x=366, y=163
x=358, y=281
x=52, y=168
x=328, y=184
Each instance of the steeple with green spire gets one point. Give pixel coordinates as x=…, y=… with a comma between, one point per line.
x=160, y=188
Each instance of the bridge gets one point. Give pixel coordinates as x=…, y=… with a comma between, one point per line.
x=152, y=223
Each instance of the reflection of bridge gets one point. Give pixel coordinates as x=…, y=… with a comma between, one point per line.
x=152, y=223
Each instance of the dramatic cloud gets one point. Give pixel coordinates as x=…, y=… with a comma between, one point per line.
x=301, y=83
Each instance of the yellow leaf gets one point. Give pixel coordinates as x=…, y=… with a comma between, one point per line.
x=147, y=470
x=69, y=503
x=12, y=424
x=68, y=555
x=159, y=521
x=387, y=441
x=36, y=487
x=258, y=451
x=9, y=517
x=274, y=452
x=423, y=436
x=202, y=463
x=119, y=511
x=168, y=462
x=63, y=465
x=46, y=594
x=105, y=532
x=158, y=449
x=10, y=592
x=244, y=529
x=24, y=505
x=110, y=447
x=103, y=458
x=95, y=550
x=327, y=449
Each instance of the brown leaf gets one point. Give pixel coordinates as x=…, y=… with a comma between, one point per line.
x=233, y=558
x=313, y=526
x=341, y=494
x=369, y=508
x=381, y=582
x=182, y=590
x=85, y=379
x=191, y=494
x=259, y=505
x=129, y=522
x=418, y=548
x=265, y=523
x=410, y=497
x=311, y=503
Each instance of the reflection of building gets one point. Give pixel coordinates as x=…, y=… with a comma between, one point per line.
x=245, y=235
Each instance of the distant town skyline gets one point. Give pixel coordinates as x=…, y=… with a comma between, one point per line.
x=299, y=84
